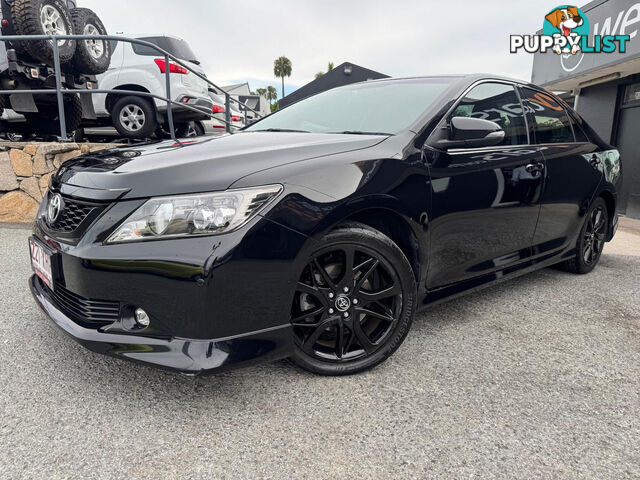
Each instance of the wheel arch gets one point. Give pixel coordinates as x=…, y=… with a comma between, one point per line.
x=112, y=98
x=610, y=200
x=386, y=216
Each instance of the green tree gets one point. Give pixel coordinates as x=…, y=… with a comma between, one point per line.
x=282, y=68
x=274, y=107
x=272, y=93
x=319, y=74
x=262, y=91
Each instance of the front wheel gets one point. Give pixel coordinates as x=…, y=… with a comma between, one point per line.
x=354, y=302
x=591, y=240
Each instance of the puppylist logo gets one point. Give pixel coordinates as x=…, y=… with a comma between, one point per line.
x=565, y=31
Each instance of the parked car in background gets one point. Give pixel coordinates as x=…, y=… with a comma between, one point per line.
x=216, y=125
x=142, y=68
x=318, y=231
x=28, y=65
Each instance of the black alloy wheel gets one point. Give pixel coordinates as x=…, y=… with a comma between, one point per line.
x=353, y=303
x=591, y=240
x=594, y=235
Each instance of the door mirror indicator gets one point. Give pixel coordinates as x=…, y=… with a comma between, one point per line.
x=469, y=132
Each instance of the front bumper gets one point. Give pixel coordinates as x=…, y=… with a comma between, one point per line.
x=189, y=356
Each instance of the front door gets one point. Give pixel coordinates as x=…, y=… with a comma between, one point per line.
x=485, y=201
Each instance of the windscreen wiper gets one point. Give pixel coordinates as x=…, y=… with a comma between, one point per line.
x=281, y=130
x=358, y=132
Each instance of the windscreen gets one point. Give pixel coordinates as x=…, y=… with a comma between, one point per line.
x=379, y=107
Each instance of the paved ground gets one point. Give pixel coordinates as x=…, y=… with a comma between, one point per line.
x=536, y=378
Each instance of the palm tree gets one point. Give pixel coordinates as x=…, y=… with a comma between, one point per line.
x=262, y=91
x=329, y=68
x=272, y=93
x=282, y=68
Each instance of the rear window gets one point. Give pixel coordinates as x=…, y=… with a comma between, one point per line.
x=216, y=98
x=176, y=47
x=552, y=123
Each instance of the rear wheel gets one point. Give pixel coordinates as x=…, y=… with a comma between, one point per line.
x=134, y=117
x=353, y=304
x=43, y=17
x=47, y=120
x=591, y=240
x=198, y=129
x=182, y=130
x=92, y=56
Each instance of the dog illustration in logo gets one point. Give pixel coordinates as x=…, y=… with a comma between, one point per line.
x=565, y=20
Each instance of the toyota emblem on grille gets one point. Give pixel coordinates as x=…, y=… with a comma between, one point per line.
x=54, y=208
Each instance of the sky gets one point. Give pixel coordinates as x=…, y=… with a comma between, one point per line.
x=238, y=41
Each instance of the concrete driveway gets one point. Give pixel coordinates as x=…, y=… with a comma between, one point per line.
x=535, y=378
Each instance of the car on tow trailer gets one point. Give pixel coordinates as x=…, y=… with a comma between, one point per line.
x=142, y=68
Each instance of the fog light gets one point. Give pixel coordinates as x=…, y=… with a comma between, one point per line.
x=142, y=319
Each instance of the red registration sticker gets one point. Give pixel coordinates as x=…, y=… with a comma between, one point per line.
x=41, y=262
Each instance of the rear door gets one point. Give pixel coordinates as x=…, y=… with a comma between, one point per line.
x=485, y=201
x=571, y=175
x=111, y=78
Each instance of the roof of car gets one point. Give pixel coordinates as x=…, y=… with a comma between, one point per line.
x=147, y=35
x=470, y=77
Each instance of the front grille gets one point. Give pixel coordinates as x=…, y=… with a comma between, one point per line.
x=72, y=215
x=74, y=218
x=84, y=310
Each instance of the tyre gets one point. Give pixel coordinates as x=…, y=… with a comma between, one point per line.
x=195, y=130
x=47, y=120
x=77, y=136
x=199, y=129
x=354, y=302
x=43, y=17
x=183, y=130
x=92, y=56
x=134, y=117
x=591, y=239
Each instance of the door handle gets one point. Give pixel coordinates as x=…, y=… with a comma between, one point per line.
x=535, y=167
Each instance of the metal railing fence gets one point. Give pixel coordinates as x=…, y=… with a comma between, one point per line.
x=60, y=91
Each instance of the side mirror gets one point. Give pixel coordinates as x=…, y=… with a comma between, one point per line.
x=469, y=132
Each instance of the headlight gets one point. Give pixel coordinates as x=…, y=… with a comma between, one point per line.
x=188, y=215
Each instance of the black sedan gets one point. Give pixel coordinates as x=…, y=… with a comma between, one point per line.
x=319, y=231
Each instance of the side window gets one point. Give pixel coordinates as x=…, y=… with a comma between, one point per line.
x=499, y=103
x=552, y=123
